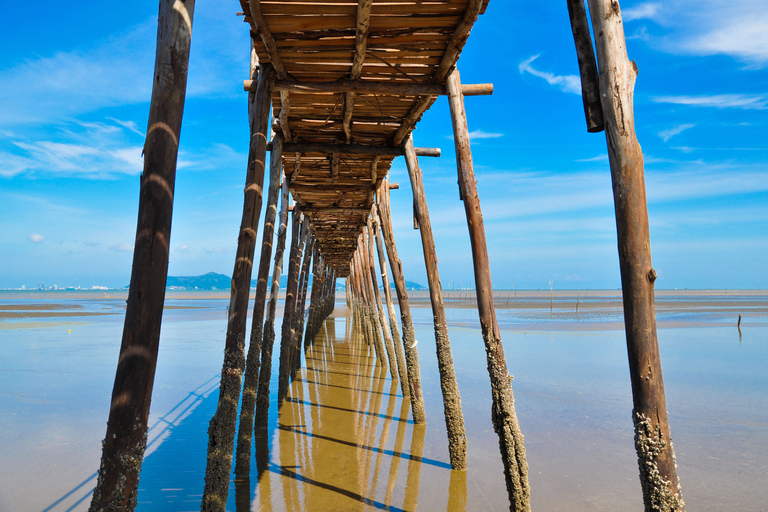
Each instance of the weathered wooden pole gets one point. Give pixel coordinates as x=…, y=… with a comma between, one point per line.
x=362, y=308
x=251, y=380
x=503, y=412
x=221, y=431
x=372, y=314
x=315, y=298
x=656, y=458
x=381, y=322
x=298, y=321
x=409, y=335
x=287, y=338
x=126, y=438
x=265, y=375
x=590, y=89
x=396, y=341
x=454, y=419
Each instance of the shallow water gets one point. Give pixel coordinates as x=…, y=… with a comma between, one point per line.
x=343, y=441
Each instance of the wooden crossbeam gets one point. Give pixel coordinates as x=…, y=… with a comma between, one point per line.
x=361, y=42
x=353, y=149
x=372, y=87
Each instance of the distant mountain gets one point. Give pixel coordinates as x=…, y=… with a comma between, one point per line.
x=209, y=281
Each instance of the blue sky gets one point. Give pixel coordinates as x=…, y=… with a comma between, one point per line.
x=75, y=84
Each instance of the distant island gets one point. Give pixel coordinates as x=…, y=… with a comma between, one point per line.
x=213, y=282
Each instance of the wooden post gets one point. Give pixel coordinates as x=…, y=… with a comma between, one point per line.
x=372, y=314
x=658, y=476
x=590, y=89
x=503, y=411
x=126, y=438
x=251, y=380
x=382, y=324
x=298, y=237
x=409, y=336
x=399, y=355
x=454, y=420
x=315, y=298
x=298, y=322
x=265, y=375
x=221, y=431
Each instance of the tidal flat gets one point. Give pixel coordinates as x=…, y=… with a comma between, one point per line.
x=344, y=441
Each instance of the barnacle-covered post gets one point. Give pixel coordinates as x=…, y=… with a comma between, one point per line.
x=656, y=458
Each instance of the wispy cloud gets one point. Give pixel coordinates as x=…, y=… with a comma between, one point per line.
x=123, y=247
x=130, y=125
x=671, y=132
x=566, y=83
x=598, y=158
x=36, y=238
x=641, y=11
x=744, y=36
x=480, y=134
x=742, y=101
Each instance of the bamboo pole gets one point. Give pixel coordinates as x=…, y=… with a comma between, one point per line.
x=221, y=431
x=126, y=436
x=409, y=336
x=265, y=375
x=396, y=341
x=454, y=419
x=382, y=324
x=504, y=416
x=656, y=458
x=250, y=384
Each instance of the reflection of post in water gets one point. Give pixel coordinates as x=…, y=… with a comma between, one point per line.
x=264, y=488
x=399, y=440
x=288, y=456
x=384, y=434
x=457, y=491
x=411, y=499
x=376, y=392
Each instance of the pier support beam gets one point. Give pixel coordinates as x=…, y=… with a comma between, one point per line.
x=658, y=475
x=250, y=384
x=382, y=323
x=126, y=438
x=503, y=412
x=409, y=335
x=396, y=341
x=287, y=338
x=265, y=375
x=454, y=419
x=221, y=431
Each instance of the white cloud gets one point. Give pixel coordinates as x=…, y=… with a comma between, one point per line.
x=124, y=247
x=130, y=125
x=480, y=134
x=742, y=101
x=745, y=37
x=36, y=238
x=598, y=158
x=182, y=248
x=671, y=132
x=641, y=11
x=566, y=83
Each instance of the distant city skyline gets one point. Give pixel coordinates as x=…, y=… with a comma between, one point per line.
x=74, y=93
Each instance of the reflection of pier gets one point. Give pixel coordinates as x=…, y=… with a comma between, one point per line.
x=338, y=442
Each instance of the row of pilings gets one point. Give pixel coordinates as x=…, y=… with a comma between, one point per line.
x=608, y=100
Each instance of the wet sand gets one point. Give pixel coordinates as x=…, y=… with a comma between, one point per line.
x=343, y=440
